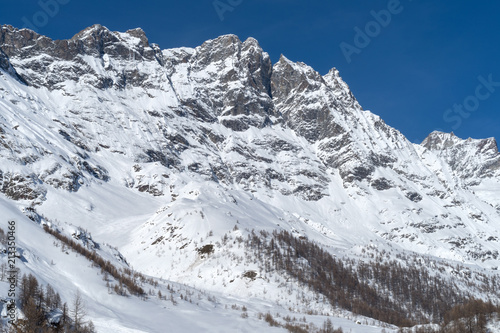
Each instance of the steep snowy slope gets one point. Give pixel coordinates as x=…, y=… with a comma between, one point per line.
x=177, y=157
x=69, y=272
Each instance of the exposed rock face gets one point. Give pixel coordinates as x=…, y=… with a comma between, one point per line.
x=4, y=62
x=6, y=66
x=230, y=82
x=296, y=88
x=221, y=111
x=111, y=109
x=469, y=159
x=45, y=62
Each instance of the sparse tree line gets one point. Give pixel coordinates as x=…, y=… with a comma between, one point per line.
x=293, y=326
x=470, y=317
x=126, y=278
x=427, y=297
x=44, y=311
x=320, y=271
x=386, y=291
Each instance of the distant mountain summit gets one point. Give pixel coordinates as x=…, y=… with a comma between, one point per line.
x=470, y=159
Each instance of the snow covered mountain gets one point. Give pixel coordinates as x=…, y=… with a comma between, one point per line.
x=175, y=158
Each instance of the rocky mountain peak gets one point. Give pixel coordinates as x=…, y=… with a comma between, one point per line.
x=468, y=158
x=139, y=33
x=95, y=55
x=92, y=31
x=232, y=81
x=439, y=141
x=291, y=76
x=100, y=35
x=221, y=47
x=98, y=40
x=15, y=41
x=342, y=90
x=252, y=42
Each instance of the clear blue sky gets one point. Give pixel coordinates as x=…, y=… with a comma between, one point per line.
x=427, y=65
